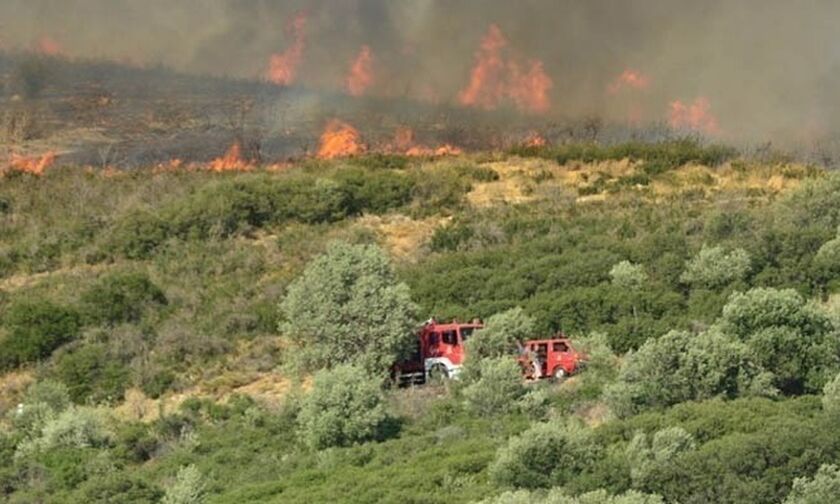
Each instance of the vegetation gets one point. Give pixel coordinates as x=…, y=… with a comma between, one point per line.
x=183, y=337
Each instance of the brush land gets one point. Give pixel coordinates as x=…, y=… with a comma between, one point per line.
x=147, y=353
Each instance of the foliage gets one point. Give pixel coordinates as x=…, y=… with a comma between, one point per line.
x=558, y=496
x=648, y=455
x=188, y=487
x=120, y=298
x=547, y=454
x=628, y=276
x=831, y=397
x=501, y=335
x=823, y=487
x=75, y=427
x=90, y=373
x=35, y=329
x=715, y=267
x=345, y=407
x=347, y=307
x=498, y=388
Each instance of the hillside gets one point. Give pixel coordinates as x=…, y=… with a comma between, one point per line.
x=145, y=347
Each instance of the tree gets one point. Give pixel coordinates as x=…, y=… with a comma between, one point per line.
x=498, y=389
x=797, y=344
x=827, y=260
x=628, y=276
x=345, y=407
x=347, y=307
x=649, y=455
x=547, y=454
x=831, y=397
x=715, y=267
x=500, y=334
x=822, y=488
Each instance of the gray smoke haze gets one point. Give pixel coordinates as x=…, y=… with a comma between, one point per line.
x=768, y=67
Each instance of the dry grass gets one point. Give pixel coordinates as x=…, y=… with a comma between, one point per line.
x=12, y=387
x=403, y=236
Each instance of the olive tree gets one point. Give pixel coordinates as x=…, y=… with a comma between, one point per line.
x=347, y=307
x=498, y=389
x=345, y=407
x=823, y=487
x=501, y=334
x=715, y=267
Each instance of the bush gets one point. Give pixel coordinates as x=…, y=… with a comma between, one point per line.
x=35, y=329
x=75, y=427
x=822, y=488
x=348, y=307
x=715, y=267
x=545, y=455
x=831, y=397
x=375, y=192
x=90, y=373
x=346, y=406
x=498, y=389
x=122, y=297
x=628, y=276
x=647, y=456
x=188, y=487
x=501, y=335
x=118, y=487
x=558, y=496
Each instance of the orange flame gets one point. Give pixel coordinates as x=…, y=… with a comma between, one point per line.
x=231, y=161
x=339, y=139
x=697, y=116
x=495, y=77
x=360, y=77
x=534, y=139
x=32, y=165
x=404, y=143
x=629, y=79
x=48, y=46
x=283, y=67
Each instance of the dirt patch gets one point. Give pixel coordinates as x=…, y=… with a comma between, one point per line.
x=12, y=387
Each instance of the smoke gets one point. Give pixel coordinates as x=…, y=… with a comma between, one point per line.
x=767, y=68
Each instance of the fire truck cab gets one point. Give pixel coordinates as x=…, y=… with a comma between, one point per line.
x=550, y=358
x=439, y=352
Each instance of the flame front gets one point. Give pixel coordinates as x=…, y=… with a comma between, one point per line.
x=534, y=139
x=696, y=116
x=283, y=67
x=496, y=77
x=630, y=80
x=339, y=139
x=32, y=165
x=231, y=161
x=48, y=46
x=360, y=77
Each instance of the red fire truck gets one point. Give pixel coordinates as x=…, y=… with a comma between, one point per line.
x=440, y=354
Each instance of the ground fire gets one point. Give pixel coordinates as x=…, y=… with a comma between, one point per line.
x=339, y=139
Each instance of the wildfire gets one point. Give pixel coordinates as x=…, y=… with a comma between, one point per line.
x=696, y=116
x=497, y=76
x=231, y=161
x=339, y=139
x=48, y=46
x=629, y=79
x=534, y=139
x=32, y=165
x=360, y=77
x=404, y=143
x=283, y=67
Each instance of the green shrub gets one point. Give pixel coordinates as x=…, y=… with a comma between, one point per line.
x=648, y=455
x=35, y=328
x=501, y=335
x=188, y=488
x=118, y=487
x=138, y=234
x=545, y=455
x=122, y=297
x=831, y=397
x=715, y=267
x=90, y=373
x=346, y=406
x=558, y=496
x=347, y=307
x=822, y=488
x=376, y=192
x=75, y=427
x=498, y=389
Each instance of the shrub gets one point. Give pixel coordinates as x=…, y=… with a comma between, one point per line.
x=122, y=297
x=138, y=234
x=90, y=373
x=715, y=267
x=498, y=389
x=375, y=192
x=786, y=337
x=75, y=427
x=346, y=406
x=35, y=329
x=118, y=487
x=831, y=397
x=545, y=455
x=647, y=456
x=348, y=307
x=558, y=496
x=501, y=334
x=628, y=276
x=822, y=488
x=188, y=488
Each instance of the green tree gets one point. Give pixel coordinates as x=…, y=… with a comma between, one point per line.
x=500, y=334
x=824, y=487
x=715, y=267
x=831, y=397
x=827, y=261
x=498, y=389
x=547, y=454
x=786, y=337
x=628, y=276
x=647, y=455
x=346, y=406
x=347, y=307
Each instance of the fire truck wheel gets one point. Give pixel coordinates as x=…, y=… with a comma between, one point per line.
x=559, y=373
x=438, y=372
